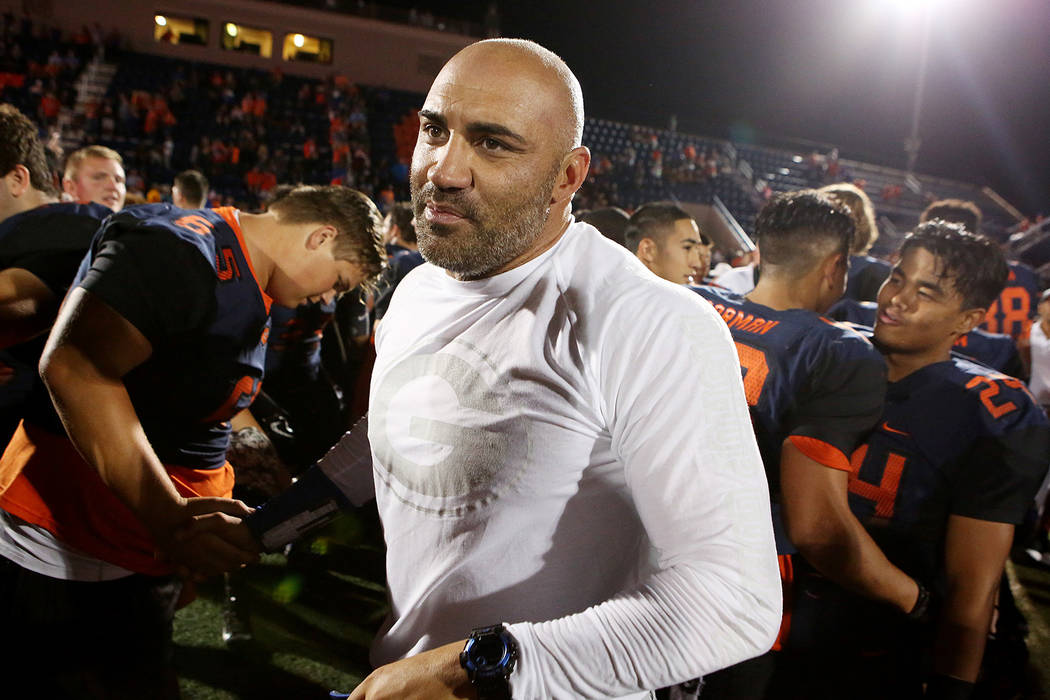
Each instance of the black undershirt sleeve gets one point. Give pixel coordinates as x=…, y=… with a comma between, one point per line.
x=163, y=286
x=843, y=401
x=998, y=478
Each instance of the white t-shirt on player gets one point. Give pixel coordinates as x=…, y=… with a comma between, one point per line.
x=1039, y=384
x=541, y=459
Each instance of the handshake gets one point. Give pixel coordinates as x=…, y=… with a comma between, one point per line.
x=210, y=537
x=207, y=536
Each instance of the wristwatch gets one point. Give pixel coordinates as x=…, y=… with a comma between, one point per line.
x=489, y=657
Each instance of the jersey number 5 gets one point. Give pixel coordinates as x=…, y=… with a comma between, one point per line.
x=755, y=369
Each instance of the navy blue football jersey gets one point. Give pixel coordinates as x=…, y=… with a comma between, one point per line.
x=955, y=439
x=295, y=336
x=49, y=242
x=866, y=274
x=808, y=380
x=183, y=279
x=995, y=350
x=1016, y=304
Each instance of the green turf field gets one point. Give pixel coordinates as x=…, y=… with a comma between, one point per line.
x=313, y=615
x=315, y=612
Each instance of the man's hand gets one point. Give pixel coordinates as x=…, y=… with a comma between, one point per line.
x=432, y=675
x=214, y=539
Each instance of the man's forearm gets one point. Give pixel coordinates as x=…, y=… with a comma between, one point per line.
x=961, y=636
x=101, y=422
x=851, y=558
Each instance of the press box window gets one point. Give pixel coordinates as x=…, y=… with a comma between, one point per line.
x=237, y=37
x=180, y=30
x=300, y=47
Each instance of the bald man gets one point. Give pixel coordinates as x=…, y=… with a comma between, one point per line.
x=560, y=522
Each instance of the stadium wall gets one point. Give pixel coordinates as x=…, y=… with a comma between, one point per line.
x=366, y=51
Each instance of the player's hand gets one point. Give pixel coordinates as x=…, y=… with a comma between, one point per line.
x=212, y=539
x=431, y=675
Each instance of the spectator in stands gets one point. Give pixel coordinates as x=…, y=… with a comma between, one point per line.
x=190, y=190
x=25, y=179
x=669, y=242
x=866, y=274
x=96, y=174
x=611, y=221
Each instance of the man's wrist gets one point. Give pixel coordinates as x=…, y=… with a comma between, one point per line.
x=489, y=657
x=920, y=609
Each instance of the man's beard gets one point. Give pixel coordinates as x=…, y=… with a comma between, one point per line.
x=497, y=235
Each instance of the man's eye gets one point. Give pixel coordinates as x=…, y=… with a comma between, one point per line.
x=432, y=130
x=492, y=145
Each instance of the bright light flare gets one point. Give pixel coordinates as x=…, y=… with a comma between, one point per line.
x=299, y=40
x=161, y=20
x=231, y=29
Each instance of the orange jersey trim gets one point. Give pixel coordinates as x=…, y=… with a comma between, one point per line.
x=820, y=451
x=229, y=215
x=787, y=583
x=45, y=481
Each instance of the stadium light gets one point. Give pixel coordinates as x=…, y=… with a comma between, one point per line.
x=161, y=20
x=298, y=40
x=231, y=29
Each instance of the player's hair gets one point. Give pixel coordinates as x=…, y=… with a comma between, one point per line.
x=355, y=217
x=20, y=145
x=971, y=263
x=866, y=231
x=279, y=192
x=655, y=221
x=796, y=229
x=403, y=217
x=77, y=158
x=959, y=211
x=193, y=186
x=610, y=221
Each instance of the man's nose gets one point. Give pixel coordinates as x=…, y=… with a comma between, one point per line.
x=451, y=169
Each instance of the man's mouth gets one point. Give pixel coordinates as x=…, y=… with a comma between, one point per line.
x=886, y=318
x=436, y=213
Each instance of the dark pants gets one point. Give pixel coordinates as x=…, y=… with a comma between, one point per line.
x=75, y=639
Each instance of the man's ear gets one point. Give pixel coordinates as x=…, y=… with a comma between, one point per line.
x=18, y=180
x=647, y=251
x=833, y=267
x=970, y=319
x=319, y=236
x=574, y=167
x=69, y=187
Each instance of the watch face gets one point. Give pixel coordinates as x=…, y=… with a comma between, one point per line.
x=488, y=653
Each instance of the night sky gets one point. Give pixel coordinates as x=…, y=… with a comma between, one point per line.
x=841, y=73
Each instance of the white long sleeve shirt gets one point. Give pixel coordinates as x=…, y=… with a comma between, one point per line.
x=541, y=458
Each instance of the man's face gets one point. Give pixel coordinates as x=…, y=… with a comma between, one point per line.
x=309, y=274
x=389, y=229
x=679, y=258
x=99, y=180
x=484, y=167
x=918, y=311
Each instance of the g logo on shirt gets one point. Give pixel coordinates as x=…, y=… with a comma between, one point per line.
x=444, y=430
